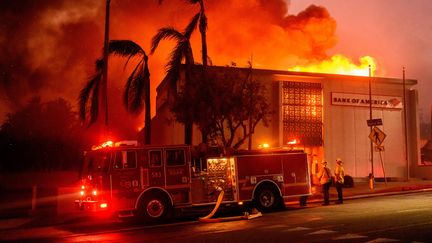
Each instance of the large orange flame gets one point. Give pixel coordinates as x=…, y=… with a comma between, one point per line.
x=339, y=64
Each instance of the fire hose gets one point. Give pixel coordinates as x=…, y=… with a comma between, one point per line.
x=209, y=219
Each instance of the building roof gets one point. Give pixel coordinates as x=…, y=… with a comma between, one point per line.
x=322, y=76
x=282, y=74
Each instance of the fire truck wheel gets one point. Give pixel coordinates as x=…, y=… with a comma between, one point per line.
x=155, y=208
x=267, y=199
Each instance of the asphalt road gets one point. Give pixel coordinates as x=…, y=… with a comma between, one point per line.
x=399, y=218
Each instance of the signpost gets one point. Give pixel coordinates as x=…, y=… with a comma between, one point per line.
x=377, y=137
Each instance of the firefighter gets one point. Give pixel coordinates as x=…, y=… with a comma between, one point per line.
x=339, y=180
x=324, y=176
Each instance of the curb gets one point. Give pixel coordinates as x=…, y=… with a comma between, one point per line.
x=390, y=193
x=403, y=190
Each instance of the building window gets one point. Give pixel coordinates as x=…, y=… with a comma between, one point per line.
x=302, y=113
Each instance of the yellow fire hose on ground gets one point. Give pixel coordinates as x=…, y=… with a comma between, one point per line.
x=209, y=219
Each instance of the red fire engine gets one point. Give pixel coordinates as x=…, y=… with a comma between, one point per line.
x=153, y=182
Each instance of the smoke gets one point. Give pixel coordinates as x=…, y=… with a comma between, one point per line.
x=48, y=47
x=44, y=48
x=264, y=31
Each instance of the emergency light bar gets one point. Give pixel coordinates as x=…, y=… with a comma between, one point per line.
x=110, y=144
x=126, y=143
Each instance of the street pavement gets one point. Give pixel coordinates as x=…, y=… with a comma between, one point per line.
x=360, y=190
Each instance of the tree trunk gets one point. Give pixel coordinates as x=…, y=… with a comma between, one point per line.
x=188, y=130
x=204, y=137
x=105, y=63
x=147, y=121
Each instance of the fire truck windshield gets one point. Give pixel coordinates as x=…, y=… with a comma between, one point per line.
x=96, y=162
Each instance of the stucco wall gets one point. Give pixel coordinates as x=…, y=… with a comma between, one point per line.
x=346, y=131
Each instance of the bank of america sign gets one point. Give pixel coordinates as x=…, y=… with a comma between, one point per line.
x=362, y=100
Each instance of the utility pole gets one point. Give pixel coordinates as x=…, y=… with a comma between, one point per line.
x=371, y=175
x=405, y=125
x=105, y=62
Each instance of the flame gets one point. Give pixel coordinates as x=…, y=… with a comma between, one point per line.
x=339, y=64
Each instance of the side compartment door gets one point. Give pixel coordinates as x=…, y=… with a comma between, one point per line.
x=296, y=174
x=177, y=172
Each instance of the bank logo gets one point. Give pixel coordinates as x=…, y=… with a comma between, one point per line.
x=362, y=100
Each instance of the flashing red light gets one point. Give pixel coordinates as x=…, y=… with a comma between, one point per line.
x=103, y=145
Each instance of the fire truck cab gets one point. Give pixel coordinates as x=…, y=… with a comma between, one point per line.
x=152, y=182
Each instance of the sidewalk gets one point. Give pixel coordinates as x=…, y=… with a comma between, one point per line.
x=360, y=190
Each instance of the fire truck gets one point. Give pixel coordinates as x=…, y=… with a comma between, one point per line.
x=154, y=182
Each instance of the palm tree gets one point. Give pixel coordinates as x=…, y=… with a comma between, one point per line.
x=89, y=96
x=202, y=27
x=96, y=87
x=137, y=88
x=202, y=18
x=182, y=51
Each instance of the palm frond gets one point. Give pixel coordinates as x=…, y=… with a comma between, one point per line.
x=125, y=48
x=94, y=106
x=130, y=86
x=83, y=98
x=187, y=53
x=91, y=89
x=191, y=26
x=137, y=99
x=167, y=33
x=99, y=65
x=181, y=51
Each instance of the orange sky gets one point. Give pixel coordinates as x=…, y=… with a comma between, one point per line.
x=52, y=45
x=396, y=32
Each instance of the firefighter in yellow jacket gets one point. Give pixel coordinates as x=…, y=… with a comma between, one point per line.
x=339, y=174
x=324, y=176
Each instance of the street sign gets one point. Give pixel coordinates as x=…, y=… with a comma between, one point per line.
x=374, y=122
x=377, y=136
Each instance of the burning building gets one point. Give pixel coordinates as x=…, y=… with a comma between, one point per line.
x=326, y=115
